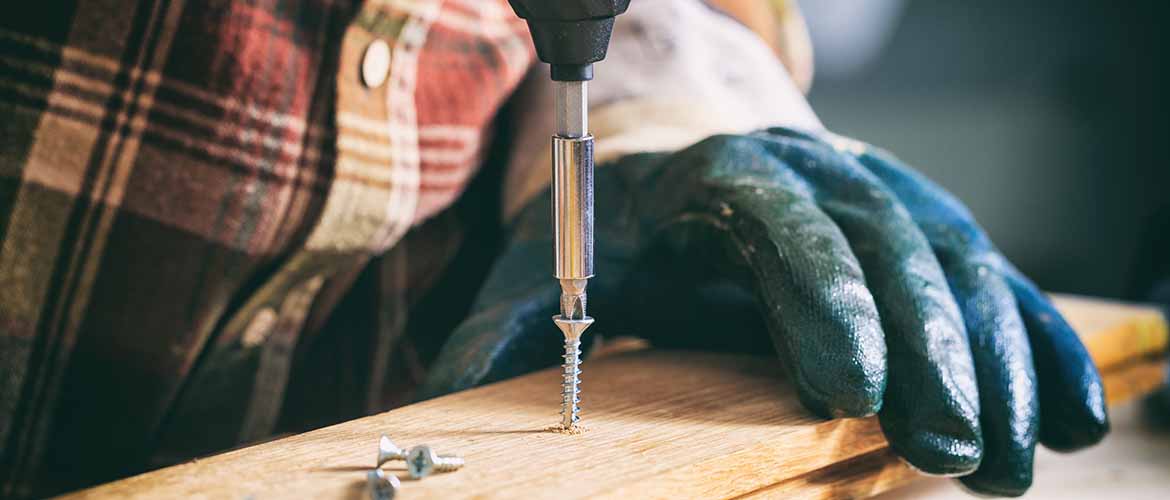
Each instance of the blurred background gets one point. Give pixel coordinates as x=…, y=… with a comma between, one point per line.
x=1047, y=117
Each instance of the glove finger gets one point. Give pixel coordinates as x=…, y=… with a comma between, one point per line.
x=1009, y=408
x=1072, y=398
x=931, y=408
x=822, y=319
x=699, y=309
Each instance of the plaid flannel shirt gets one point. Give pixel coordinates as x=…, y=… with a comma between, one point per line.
x=184, y=184
x=212, y=229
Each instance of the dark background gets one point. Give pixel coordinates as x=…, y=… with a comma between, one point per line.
x=1048, y=118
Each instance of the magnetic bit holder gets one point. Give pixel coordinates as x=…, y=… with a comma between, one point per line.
x=573, y=210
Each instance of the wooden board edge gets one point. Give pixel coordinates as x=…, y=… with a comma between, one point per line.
x=880, y=471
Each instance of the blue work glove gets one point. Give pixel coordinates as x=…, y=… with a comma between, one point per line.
x=875, y=287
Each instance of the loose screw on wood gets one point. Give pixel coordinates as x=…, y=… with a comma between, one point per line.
x=382, y=486
x=422, y=461
x=388, y=451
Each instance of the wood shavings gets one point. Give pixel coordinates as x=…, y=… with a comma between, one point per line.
x=574, y=430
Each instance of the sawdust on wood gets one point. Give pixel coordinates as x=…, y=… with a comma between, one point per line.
x=574, y=430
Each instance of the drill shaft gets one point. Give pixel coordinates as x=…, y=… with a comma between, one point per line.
x=572, y=163
x=571, y=35
x=571, y=103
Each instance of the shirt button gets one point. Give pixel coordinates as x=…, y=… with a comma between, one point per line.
x=376, y=63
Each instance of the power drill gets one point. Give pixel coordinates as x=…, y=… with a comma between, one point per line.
x=571, y=35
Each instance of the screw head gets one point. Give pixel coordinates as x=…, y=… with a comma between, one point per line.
x=382, y=486
x=387, y=451
x=420, y=461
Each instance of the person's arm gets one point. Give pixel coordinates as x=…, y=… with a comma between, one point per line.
x=718, y=229
x=186, y=188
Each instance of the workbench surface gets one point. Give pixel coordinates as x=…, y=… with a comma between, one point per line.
x=1132, y=463
x=660, y=424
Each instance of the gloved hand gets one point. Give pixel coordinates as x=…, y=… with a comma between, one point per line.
x=877, y=289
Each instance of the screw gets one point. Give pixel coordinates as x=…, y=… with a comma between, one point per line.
x=421, y=461
x=571, y=369
x=382, y=486
x=387, y=451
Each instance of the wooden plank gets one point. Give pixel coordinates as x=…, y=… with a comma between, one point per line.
x=861, y=477
x=1120, y=332
x=660, y=424
x=880, y=471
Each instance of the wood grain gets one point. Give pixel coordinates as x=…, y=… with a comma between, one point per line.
x=660, y=425
x=861, y=477
x=880, y=471
x=1115, y=332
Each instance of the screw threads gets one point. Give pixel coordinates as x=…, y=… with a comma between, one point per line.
x=570, y=390
x=401, y=455
x=448, y=463
x=570, y=383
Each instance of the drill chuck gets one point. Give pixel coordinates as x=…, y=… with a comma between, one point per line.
x=570, y=35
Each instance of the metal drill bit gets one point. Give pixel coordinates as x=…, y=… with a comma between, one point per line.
x=571, y=103
x=572, y=162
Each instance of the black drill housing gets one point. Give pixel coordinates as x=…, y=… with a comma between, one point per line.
x=570, y=35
